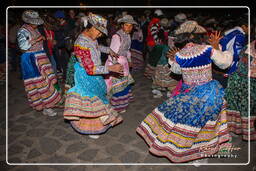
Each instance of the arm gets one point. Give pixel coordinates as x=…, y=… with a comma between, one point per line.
x=115, y=43
x=104, y=49
x=175, y=67
x=86, y=58
x=222, y=59
x=23, y=37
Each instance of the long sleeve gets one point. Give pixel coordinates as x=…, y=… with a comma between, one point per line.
x=222, y=59
x=115, y=43
x=104, y=49
x=175, y=67
x=87, y=58
x=154, y=32
x=23, y=37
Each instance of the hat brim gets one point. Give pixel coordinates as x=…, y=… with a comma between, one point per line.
x=35, y=21
x=127, y=21
x=102, y=29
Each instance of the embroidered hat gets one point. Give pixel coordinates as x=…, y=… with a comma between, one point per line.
x=180, y=18
x=190, y=27
x=32, y=17
x=98, y=22
x=127, y=19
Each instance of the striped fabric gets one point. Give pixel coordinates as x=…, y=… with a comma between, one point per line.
x=149, y=71
x=162, y=78
x=121, y=100
x=182, y=143
x=40, y=90
x=89, y=115
x=242, y=125
x=137, y=60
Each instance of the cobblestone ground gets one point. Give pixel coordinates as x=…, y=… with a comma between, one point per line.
x=34, y=138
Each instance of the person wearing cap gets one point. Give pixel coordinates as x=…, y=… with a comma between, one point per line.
x=152, y=41
x=192, y=124
x=38, y=75
x=86, y=106
x=119, y=87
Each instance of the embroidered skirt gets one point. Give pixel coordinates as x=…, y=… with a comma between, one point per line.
x=238, y=112
x=39, y=80
x=185, y=125
x=87, y=107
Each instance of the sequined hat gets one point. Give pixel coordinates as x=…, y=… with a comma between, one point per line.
x=190, y=27
x=98, y=22
x=32, y=17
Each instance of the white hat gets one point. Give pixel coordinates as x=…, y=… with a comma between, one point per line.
x=158, y=12
x=32, y=17
x=127, y=19
x=181, y=17
x=190, y=27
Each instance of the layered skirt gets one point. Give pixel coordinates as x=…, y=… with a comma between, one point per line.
x=39, y=80
x=188, y=126
x=240, y=122
x=119, y=87
x=137, y=55
x=87, y=107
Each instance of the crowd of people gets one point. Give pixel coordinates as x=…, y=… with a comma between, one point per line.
x=84, y=62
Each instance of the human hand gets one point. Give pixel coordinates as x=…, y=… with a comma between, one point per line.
x=118, y=68
x=215, y=39
x=171, y=53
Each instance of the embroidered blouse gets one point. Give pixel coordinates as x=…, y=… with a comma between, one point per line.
x=24, y=36
x=194, y=62
x=88, y=53
x=121, y=44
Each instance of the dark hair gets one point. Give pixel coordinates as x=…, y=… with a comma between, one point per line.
x=89, y=25
x=184, y=38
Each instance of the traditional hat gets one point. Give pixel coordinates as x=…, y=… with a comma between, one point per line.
x=164, y=22
x=181, y=17
x=32, y=17
x=97, y=21
x=127, y=19
x=190, y=27
x=158, y=12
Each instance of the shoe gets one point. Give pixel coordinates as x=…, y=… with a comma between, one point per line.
x=198, y=163
x=94, y=136
x=168, y=94
x=156, y=91
x=49, y=112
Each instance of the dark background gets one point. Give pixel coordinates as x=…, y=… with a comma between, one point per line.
x=216, y=12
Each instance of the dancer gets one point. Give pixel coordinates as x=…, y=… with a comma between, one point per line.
x=87, y=107
x=37, y=72
x=236, y=95
x=119, y=88
x=194, y=120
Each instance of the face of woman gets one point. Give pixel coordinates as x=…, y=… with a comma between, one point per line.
x=127, y=27
x=95, y=33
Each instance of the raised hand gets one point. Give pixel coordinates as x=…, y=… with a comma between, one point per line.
x=171, y=53
x=215, y=39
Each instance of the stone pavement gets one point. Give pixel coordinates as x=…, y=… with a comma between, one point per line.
x=35, y=138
